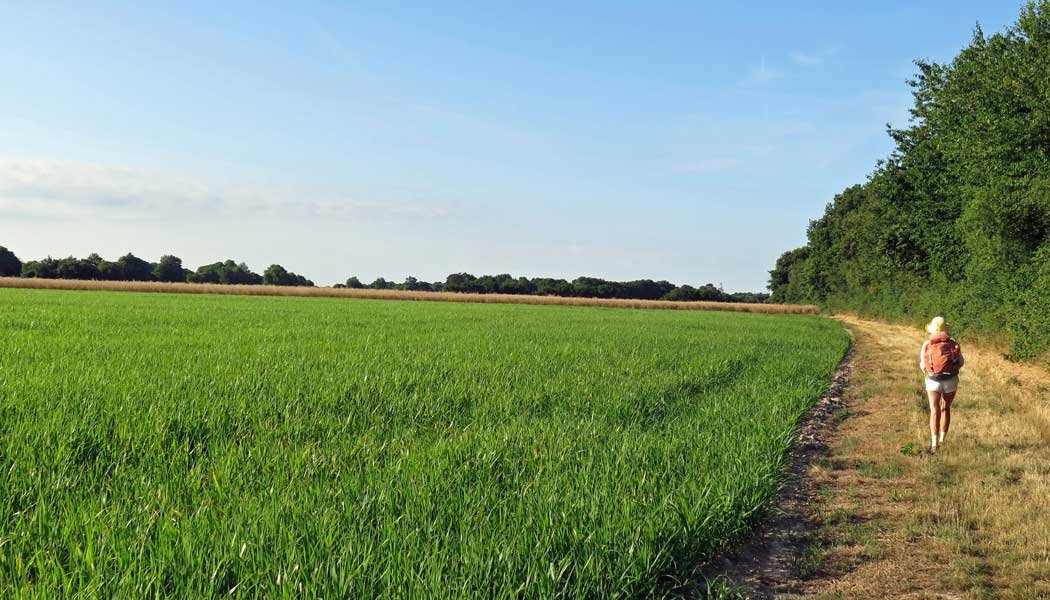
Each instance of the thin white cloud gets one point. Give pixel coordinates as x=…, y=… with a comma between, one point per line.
x=78, y=190
x=810, y=58
x=805, y=59
x=757, y=150
x=761, y=75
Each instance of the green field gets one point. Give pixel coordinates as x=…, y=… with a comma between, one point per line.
x=162, y=445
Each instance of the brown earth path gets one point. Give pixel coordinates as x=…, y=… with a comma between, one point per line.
x=886, y=519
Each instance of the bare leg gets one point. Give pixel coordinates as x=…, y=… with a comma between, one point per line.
x=946, y=411
x=935, y=414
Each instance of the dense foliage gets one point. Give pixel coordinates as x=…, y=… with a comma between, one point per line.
x=132, y=268
x=169, y=269
x=581, y=287
x=956, y=220
x=278, y=275
x=189, y=446
x=10, y=266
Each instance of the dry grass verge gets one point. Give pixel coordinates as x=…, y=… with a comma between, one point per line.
x=273, y=290
x=968, y=522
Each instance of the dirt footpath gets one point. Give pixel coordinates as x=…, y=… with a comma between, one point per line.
x=882, y=518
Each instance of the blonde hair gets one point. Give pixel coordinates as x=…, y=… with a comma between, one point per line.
x=936, y=325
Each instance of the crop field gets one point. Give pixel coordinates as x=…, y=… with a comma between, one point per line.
x=328, y=292
x=159, y=445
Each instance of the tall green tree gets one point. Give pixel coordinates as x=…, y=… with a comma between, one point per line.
x=10, y=266
x=76, y=268
x=133, y=268
x=169, y=269
x=278, y=275
x=46, y=268
x=956, y=221
x=227, y=272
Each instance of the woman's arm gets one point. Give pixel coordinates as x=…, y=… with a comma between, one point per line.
x=922, y=356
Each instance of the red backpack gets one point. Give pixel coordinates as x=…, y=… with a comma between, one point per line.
x=942, y=357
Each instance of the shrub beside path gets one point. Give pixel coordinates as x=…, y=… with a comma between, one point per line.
x=886, y=519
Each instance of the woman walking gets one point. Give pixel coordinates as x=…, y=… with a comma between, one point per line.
x=940, y=359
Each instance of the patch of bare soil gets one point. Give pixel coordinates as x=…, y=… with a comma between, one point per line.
x=868, y=513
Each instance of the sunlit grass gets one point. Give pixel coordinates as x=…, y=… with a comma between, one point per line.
x=189, y=445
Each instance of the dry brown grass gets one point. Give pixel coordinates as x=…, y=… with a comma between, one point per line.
x=968, y=522
x=273, y=290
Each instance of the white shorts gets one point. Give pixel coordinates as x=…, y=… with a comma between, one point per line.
x=948, y=386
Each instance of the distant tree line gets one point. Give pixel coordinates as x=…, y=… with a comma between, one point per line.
x=956, y=221
x=581, y=287
x=169, y=269
x=132, y=268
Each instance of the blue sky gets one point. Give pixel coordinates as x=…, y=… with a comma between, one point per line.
x=686, y=141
